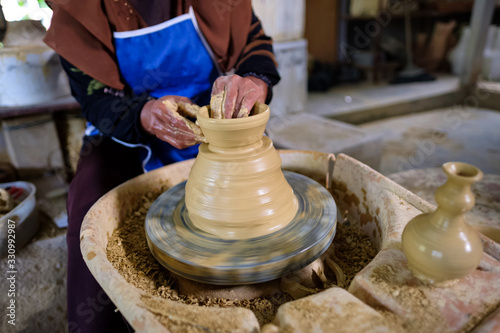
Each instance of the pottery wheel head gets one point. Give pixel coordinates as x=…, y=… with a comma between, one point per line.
x=197, y=255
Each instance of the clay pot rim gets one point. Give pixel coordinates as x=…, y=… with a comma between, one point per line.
x=254, y=120
x=462, y=171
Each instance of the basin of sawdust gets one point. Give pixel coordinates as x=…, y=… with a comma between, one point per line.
x=374, y=212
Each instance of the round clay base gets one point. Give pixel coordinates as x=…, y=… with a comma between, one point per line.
x=234, y=293
x=196, y=255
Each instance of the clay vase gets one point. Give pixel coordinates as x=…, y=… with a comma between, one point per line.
x=440, y=245
x=236, y=189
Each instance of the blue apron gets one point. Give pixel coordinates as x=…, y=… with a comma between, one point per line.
x=170, y=58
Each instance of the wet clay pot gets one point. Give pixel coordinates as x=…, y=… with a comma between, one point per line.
x=440, y=245
x=236, y=189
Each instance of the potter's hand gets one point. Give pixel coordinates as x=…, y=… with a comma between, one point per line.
x=233, y=96
x=165, y=119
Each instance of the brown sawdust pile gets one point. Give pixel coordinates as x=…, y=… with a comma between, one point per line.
x=353, y=250
x=411, y=298
x=353, y=319
x=128, y=252
x=424, y=315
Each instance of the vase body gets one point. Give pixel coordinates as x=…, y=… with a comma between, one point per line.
x=440, y=245
x=236, y=189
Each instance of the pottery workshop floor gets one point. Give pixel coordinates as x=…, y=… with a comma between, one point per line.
x=421, y=140
x=351, y=98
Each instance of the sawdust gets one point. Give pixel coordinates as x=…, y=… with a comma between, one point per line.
x=177, y=319
x=412, y=299
x=128, y=252
x=422, y=315
x=353, y=250
x=419, y=313
x=41, y=285
x=351, y=319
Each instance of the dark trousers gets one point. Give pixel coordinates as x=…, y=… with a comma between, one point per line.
x=103, y=165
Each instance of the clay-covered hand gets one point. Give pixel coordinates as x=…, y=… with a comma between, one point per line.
x=234, y=96
x=166, y=119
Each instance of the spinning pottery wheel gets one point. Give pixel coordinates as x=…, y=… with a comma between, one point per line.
x=194, y=254
x=239, y=219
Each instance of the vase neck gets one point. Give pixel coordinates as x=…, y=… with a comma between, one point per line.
x=455, y=196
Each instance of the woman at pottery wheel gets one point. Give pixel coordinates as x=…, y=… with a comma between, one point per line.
x=139, y=70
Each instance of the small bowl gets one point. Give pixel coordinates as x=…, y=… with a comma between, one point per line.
x=24, y=216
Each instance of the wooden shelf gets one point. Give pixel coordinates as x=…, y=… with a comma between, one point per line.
x=424, y=13
x=59, y=104
x=382, y=65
